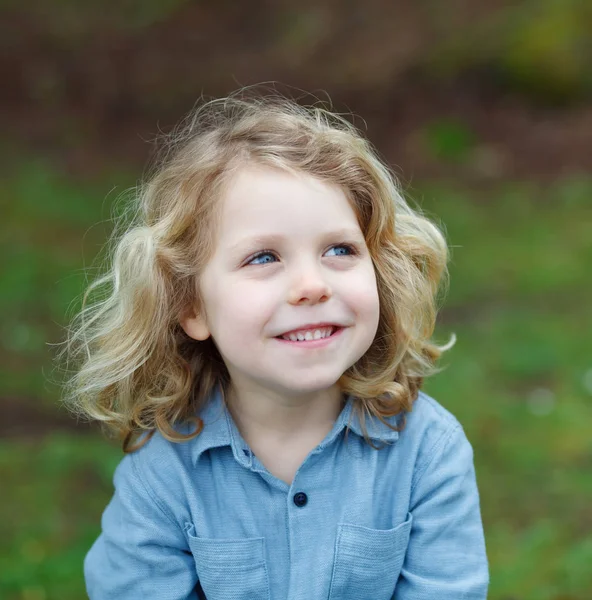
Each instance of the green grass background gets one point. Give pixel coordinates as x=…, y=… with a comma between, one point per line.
x=519, y=378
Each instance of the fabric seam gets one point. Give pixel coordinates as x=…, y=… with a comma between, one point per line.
x=440, y=444
x=150, y=492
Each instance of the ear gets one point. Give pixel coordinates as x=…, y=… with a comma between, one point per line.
x=195, y=326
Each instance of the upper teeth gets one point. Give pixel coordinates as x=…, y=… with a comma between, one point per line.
x=311, y=334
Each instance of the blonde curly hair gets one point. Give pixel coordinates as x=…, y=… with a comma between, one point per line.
x=137, y=371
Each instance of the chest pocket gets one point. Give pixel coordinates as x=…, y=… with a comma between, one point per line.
x=368, y=561
x=232, y=569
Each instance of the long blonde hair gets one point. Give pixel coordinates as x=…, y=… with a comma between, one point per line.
x=137, y=371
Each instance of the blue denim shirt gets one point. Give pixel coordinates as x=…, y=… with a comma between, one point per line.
x=205, y=519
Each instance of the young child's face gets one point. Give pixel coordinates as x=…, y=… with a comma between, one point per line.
x=280, y=265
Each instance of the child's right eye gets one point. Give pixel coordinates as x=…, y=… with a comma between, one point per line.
x=262, y=255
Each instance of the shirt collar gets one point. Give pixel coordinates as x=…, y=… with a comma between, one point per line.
x=220, y=429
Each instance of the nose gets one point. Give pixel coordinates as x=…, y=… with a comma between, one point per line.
x=309, y=288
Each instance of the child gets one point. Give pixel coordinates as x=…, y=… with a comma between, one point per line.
x=260, y=351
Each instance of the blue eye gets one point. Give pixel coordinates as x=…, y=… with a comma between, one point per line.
x=350, y=250
x=267, y=257
x=262, y=255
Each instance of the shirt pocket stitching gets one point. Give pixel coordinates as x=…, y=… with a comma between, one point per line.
x=357, y=542
x=236, y=554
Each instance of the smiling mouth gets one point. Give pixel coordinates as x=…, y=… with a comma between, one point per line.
x=322, y=333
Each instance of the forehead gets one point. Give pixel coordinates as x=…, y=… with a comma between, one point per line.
x=262, y=200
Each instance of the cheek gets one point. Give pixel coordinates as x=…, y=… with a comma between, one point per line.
x=242, y=309
x=364, y=296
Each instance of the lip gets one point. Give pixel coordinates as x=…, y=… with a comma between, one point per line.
x=311, y=326
x=311, y=344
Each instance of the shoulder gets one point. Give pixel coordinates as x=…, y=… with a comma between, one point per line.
x=428, y=414
x=160, y=454
x=160, y=466
x=428, y=428
x=163, y=462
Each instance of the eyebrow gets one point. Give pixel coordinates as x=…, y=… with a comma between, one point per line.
x=275, y=239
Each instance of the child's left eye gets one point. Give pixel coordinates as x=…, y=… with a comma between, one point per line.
x=349, y=250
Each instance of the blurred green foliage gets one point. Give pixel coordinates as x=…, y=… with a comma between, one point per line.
x=539, y=47
x=519, y=378
x=58, y=488
x=542, y=48
x=52, y=232
x=448, y=140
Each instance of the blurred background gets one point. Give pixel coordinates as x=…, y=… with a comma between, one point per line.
x=481, y=108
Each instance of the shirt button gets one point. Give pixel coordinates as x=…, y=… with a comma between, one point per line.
x=300, y=499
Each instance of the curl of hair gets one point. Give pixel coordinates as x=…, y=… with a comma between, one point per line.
x=136, y=369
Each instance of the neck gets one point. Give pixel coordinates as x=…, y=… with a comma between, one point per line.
x=264, y=414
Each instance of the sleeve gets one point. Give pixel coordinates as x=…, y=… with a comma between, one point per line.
x=141, y=552
x=446, y=556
